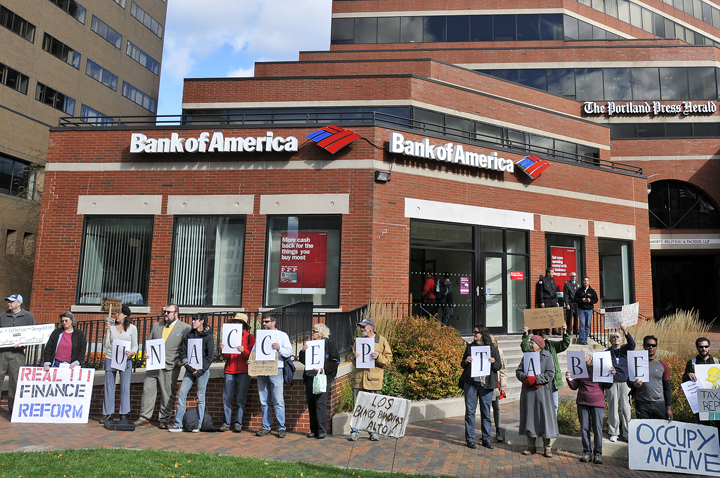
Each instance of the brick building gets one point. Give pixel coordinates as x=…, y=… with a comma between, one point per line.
x=93, y=59
x=623, y=113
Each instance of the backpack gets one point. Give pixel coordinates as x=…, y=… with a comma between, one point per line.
x=191, y=418
x=288, y=371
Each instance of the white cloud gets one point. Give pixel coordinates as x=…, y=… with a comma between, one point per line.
x=241, y=73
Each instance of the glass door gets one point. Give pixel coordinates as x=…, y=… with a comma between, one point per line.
x=493, y=294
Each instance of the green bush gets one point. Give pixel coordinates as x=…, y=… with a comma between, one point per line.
x=346, y=398
x=567, y=417
x=680, y=406
x=426, y=360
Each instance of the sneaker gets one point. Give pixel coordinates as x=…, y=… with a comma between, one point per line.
x=175, y=429
x=374, y=437
x=262, y=432
x=586, y=458
x=598, y=460
x=237, y=428
x=614, y=438
x=196, y=430
x=141, y=422
x=281, y=433
x=353, y=436
x=223, y=428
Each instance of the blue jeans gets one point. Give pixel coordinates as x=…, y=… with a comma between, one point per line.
x=473, y=392
x=187, y=383
x=235, y=384
x=275, y=385
x=585, y=316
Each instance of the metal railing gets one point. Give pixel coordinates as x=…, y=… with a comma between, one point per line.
x=343, y=326
x=599, y=333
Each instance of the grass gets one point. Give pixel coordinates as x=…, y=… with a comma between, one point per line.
x=110, y=463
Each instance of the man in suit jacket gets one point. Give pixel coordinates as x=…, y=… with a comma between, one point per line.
x=172, y=331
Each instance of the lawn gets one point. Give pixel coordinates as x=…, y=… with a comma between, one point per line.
x=105, y=463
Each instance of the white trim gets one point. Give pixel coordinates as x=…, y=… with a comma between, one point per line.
x=713, y=242
x=95, y=309
x=211, y=204
x=564, y=225
x=612, y=230
x=212, y=166
x=208, y=309
x=464, y=214
x=120, y=205
x=305, y=204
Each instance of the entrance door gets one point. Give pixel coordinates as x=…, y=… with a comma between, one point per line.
x=492, y=294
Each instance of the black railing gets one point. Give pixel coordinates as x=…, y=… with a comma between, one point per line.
x=599, y=333
x=343, y=326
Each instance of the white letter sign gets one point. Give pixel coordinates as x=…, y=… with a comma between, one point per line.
x=480, y=365
x=531, y=363
x=365, y=346
x=119, y=359
x=194, y=353
x=263, y=345
x=576, y=364
x=638, y=367
x=315, y=355
x=231, y=338
x=602, y=363
x=155, y=354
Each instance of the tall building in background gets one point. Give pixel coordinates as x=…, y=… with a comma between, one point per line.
x=92, y=59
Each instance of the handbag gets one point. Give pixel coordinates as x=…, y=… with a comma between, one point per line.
x=319, y=383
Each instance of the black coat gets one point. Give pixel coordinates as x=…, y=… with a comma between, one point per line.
x=332, y=360
x=79, y=344
x=581, y=294
x=491, y=381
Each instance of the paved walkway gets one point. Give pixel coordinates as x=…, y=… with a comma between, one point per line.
x=434, y=447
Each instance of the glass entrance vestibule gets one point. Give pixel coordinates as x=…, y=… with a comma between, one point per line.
x=488, y=269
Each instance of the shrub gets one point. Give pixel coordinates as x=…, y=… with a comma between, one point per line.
x=676, y=333
x=567, y=417
x=680, y=406
x=346, y=398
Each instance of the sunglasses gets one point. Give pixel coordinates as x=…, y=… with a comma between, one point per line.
x=315, y=331
x=476, y=331
x=650, y=346
x=703, y=346
x=266, y=321
x=169, y=312
x=196, y=320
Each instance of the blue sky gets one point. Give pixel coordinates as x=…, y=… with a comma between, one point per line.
x=224, y=38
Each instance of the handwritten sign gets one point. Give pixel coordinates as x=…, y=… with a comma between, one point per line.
x=602, y=362
x=25, y=335
x=315, y=355
x=708, y=403
x=678, y=447
x=60, y=395
x=380, y=414
x=531, y=363
x=543, y=318
x=690, y=389
x=626, y=315
x=577, y=366
x=155, y=354
x=231, y=338
x=109, y=304
x=365, y=346
x=262, y=368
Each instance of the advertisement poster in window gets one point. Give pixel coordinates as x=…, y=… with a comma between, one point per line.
x=303, y=262
x=563, y=260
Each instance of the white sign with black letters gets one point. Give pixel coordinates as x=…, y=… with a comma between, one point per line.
x=531, y=363
x=638, y=365
x=365, y=346
x=194, y=353
x=315, y=355
x=577, y=366
x=119, y=357
x=155, y=354
x=231, y=338
x=263, y=345
x=480, y=365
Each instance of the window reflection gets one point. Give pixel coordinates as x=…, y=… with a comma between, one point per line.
x=411, y=29
x=673, y=83
x=458, y=28
x=588, y=84
x=504, y=28
x=434, y=29
x=388, y=30
x=365, y=30
x=528, y=27
x=617, y=83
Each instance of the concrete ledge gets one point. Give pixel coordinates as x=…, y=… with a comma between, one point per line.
x=570, y=444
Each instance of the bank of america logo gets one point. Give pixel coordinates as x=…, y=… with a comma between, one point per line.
x=332, y=138
x=533, y=166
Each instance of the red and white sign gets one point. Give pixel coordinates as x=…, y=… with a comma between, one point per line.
x=303, y=262
x=60, y=395
x=563, y=260
x=516, y=275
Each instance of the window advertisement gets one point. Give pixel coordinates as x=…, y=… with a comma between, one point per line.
x=555, y=243
x=563, y=261
x=207, y=261
x=303, y=260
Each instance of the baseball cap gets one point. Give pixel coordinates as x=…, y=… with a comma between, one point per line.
x=14, y=297
x=367, y=322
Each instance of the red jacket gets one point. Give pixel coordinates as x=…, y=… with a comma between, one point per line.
x=237, y=363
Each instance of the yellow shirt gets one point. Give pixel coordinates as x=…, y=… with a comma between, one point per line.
x=167, y=330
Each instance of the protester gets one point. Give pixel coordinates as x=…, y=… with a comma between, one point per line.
x=480, y=388
x=498, y=394
x=571, y=308
x=370, y=380
x=199, y=376
x=237, y=380
x=118, y=329
x=12, y=358
x=586, y=298
x=272, y=387
x=66, y=345
x=317, y=402
x=172, y=331
x=590, y=408
x=703, y=357
x=537, y=415
x=554, y=347
x=548, y=293
x=654, y=398
x=618, y=398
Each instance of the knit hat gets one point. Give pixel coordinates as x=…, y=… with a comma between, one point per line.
x=539, y=340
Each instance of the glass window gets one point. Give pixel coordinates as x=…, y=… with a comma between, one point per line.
x=458, y=28
x=491, y=240
x=624, y=11
x=706, y=13
x=504, y=28
x=680, y=205
x=570, y=149
x=678, y=4
x=585, y=31
x=366, y=30
x=72, y=8
x=541, y=144
x=673, y=84
x=611, y=8
x=533, y=78
x=303, y=260
x=651, y=130
x=459, y=126
x=430, y=120
x=598, y=5
x=102, y=29
x=488, y=132
x=570, y=26
x=115, y=260
x=688, y=7
x=716, y=18
x=565, y=254
x=702, y=83
x=411, y=29
x=623, y=131
x=551, y=27
x=706, y=129
x=55, y=99
x=13, y=79
x=388, y=30
x=635, y=15
x=122, y=3
x=517, y=290
x=516, y=242
x=561, y=81
x=589, y=84
x=60, y=50
x=507, y=75
x=598, y=33
x=143, y=58
x=435, y=29
x=528, y=27
x=645, y=84
x=207, y=261
x=101, y=74
x=678, y=130
x=481, y=28
x=138, y=97
x=659, y=25
x=617, y=84
x=341, y=31
x=17, y=24
x=617, y=285
x=94, y=117
x=647, y=20
x=440, y=234
x=143, y=17
x=16, y=177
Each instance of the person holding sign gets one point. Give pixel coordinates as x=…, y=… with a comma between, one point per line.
x=499, y=393
x=12, y=358
x=66, y=344
x=196, y=353
x=480, y=363
x=554, y=347
x=317, y=400
x=537, y=413
x=120, y=329
x=172, y=331
x=237, y=380
x=590, y=408
x=586, y=298
x=653, y=399
x=703, y=357
x=618, y=393
x=369, y=380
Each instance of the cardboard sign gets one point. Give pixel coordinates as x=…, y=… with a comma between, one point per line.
x=544, y=318
x=119, y=358
x=677, y=447
x=626, y=315
x=315, y=355
x=194, y=353
x=708, y=402
x=155, y=354
x=480, y=365
x=231, y=337
x=531, y=363
x=602, y=362
x=380, y=414
x=263, y=344
x=60, y=395
x=25, y=335
x=262, y=368
x=365, y=346
x=577, y=366
x=110, y=304
x=638, y=365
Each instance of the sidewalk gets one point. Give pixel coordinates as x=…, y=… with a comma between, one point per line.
x=433, y=447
